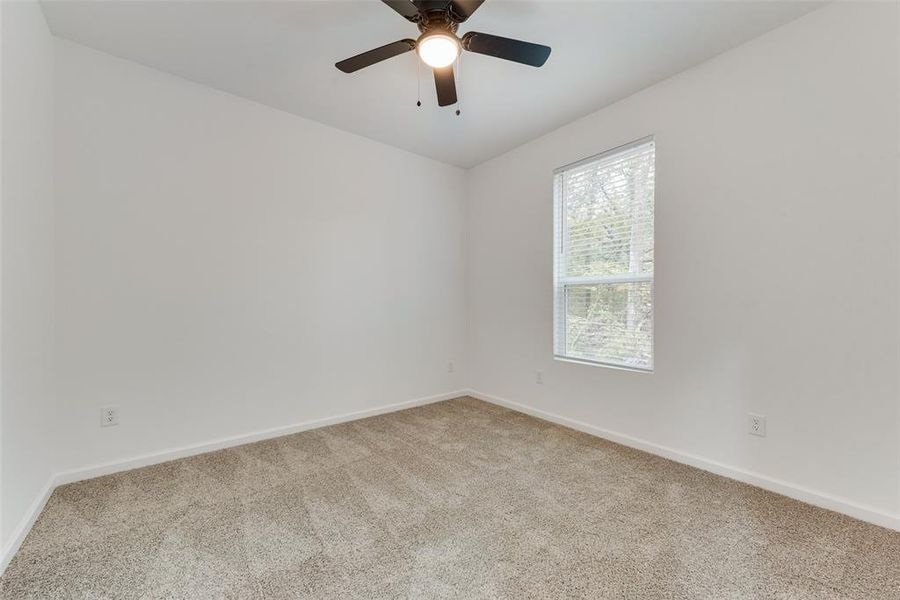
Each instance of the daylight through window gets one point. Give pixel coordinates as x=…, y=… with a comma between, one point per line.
x=603, y=247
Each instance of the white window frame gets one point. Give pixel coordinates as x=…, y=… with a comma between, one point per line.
x=560, y=282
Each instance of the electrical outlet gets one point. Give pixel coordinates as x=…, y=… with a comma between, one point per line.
x=451, y=367
x=109, y=416
x=539, y=376
x=756, y=425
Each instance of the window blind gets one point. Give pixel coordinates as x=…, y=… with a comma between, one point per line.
x=603, y=258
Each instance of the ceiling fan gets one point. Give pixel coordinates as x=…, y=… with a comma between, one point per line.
x=439, y=47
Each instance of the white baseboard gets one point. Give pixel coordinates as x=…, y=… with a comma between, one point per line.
x=145, y=460
x=153, y=458
x=25, y=525
x=797, y=492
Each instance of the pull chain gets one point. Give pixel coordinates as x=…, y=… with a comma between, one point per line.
x=418, y=82
x=458, y=81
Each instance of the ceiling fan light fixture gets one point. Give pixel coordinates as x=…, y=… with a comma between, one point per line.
x=438, y=49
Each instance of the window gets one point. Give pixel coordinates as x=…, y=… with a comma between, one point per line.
x=603, y=258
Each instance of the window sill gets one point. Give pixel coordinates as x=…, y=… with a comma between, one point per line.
x=593, y=363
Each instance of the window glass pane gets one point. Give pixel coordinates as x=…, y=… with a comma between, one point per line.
x=611, y=323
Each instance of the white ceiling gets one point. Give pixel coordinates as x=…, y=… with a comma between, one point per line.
x=282, y=54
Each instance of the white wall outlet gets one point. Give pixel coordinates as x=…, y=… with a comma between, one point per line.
x=756, y=425
x=109, y=416
x=451, y=367
x=539, y=376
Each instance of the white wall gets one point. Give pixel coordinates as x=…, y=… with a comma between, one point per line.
x=776, y=261
x=27, y=413
x=223, y=267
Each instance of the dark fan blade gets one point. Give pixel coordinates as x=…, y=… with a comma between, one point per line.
x=405, y=9
x=506, y=48
x=445, y=86
x=460, y=10
x=360, y=61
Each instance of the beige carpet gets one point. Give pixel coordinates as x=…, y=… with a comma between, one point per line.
x=459, y=499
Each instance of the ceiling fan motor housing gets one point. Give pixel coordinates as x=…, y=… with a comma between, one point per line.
x=437, y=20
